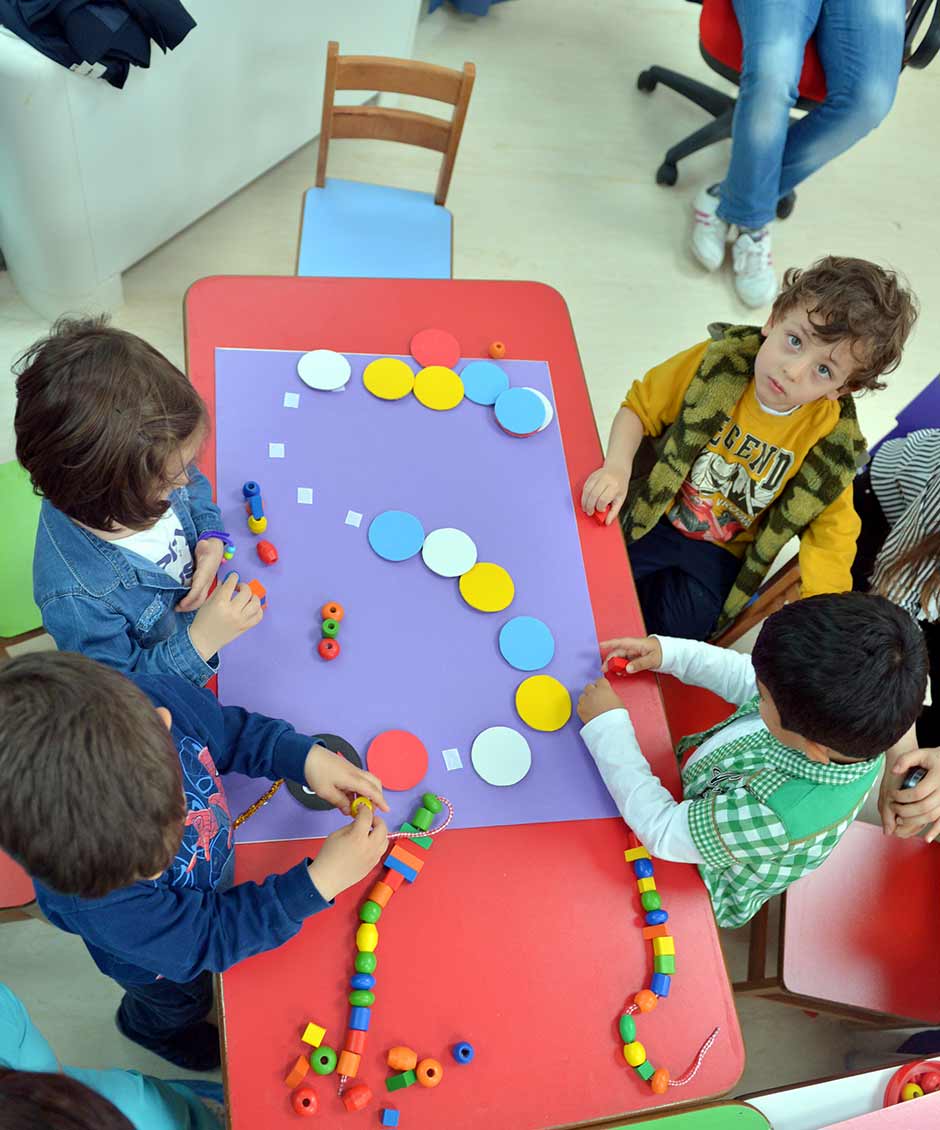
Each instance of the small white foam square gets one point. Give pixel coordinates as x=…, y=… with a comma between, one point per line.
x=353, y=518
x=275, y=450
x=452, y=758
x=305, y=495
x=291, y=399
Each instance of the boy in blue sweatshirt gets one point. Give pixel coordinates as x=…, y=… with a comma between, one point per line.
x=111, y=798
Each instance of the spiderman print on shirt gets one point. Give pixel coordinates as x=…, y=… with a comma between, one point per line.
x=207, y=835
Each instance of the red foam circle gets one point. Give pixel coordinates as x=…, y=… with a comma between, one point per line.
x=435, y=347
x=398, y=759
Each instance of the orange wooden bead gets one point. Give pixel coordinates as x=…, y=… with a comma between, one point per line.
x=655, y=932
x=402, y=1059
x=660, y=1081
x=429, y=1073
x=332, y=611
x=380, y=893
x=347, y=1064
x=298, y=1072
x=403, y=855
x=645, y=1001
x=497, y=349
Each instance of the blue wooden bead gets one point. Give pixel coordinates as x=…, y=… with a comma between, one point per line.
x=462, y=1052
x=656, y=917
x=643, y=868
x=359, y=1019
x=660, y=984
x=362, y=981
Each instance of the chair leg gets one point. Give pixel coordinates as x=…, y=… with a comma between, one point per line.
x=718, y=130
x=716, y=102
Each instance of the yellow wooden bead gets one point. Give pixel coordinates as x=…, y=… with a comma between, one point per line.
x=911, y=1091
x=634, y=1053
x=358, y=803
x=367, y=938
x=635, y=853
x=257, y=525
x=644, y=885
x=663, y=946
x=313, y=1034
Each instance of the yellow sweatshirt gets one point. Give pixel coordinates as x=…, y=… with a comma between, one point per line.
x=743, y=469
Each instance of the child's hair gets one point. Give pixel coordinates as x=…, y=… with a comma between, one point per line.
x=100, y=415
x=853, y=300
x=847, y=670
x=91, y=790
x=900, y=574
x=54, y=1101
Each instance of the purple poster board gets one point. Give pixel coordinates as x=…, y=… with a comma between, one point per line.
x=414, y=655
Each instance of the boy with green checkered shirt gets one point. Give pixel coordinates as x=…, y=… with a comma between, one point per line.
x=833, y=681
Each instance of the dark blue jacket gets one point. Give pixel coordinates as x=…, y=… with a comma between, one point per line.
x=190, y=919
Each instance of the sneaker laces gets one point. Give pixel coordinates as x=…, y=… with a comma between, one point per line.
x=752, y=256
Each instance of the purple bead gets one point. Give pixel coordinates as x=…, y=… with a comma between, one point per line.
x=643, y=868
x=656, y=917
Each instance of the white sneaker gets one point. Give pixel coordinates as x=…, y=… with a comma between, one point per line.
x=709, y=233
x=754, y=277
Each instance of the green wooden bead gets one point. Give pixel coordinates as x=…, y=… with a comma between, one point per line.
x=650, y=900
x=397, y=1082
x=431, y=803
x=323, y=1060
x=361, y=998
x=365, y=962
x=646, y=1071
x=370, y=911
x=664, y=964
x=330, y=629
x=422, y=841
x=627, y=1028
x=422, y=819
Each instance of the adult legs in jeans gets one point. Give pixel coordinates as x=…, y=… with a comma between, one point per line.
x=170, y=1020
x=681, y=583
x=859, y=43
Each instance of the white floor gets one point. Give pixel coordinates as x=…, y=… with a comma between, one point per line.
x=554, y=182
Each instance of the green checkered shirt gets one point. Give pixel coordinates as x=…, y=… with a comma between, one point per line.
x=763, y=814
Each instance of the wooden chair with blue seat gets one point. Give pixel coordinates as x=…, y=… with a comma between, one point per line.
x=720, y=45
x=357, y=230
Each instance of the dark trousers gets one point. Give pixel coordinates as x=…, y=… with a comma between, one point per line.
x=875, y=530
x=682, y=583
x=161, y=1010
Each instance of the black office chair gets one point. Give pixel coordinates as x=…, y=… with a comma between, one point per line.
x=720, y=44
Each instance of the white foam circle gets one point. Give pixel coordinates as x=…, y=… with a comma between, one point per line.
x=549, y=410
x=449, y=552
x=501, y=755
x=323, y=369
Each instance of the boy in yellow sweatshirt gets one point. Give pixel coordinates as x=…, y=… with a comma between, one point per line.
x=760, y=442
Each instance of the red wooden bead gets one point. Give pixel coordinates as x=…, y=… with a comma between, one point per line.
x=660, y=1081
x=645, y=1001
x=328, y=649
x=355, y=1042
x=617, y=665
x=357, y=1097
x=267, y=552
x=600, y=516
x=305, y=1101
x=930, y=1082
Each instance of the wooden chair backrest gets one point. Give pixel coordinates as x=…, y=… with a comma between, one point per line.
x=395, y=76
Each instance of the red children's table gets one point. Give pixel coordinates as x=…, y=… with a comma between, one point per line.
x=523, y=940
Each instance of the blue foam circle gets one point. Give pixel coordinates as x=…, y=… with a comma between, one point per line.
x=520, y=411
x=526, y=643
x=483, y=382
x=396, y=535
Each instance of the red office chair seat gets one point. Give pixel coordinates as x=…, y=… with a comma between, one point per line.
x=720, y=43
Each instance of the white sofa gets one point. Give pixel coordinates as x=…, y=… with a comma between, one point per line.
x=92, y=178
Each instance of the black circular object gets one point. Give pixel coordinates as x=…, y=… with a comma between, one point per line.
x=308, y=798
x=667, y=174
x=646, y=82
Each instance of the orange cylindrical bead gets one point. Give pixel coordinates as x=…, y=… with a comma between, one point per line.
x=347, y=1064
x=660, y=1081
x=645, y=1001
x=380, y=893
x=402, y=1059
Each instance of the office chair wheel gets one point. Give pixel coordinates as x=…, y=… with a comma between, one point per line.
x=785, y=205
x=646, y=82
x=667, y=174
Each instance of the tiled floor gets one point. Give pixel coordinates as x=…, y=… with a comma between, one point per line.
x=554, y=182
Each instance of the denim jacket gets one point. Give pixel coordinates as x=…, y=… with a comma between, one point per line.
x=114, y=605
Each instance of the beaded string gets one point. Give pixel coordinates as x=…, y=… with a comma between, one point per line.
x=664, y=965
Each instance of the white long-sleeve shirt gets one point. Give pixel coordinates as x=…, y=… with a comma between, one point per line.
x=647, y=806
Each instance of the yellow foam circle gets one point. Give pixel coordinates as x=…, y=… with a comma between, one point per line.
x=438, y=387
x=487, y=587
x=388, y=378
x=543, y=703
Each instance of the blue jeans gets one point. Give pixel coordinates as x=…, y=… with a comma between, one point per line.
x=860, y=43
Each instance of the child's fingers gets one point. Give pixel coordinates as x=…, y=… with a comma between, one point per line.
x=641, y=663
x=909, y=760
x=615, y=503
x=369, y=786
x=914, y=806
x=627, y=645
x=933, y=831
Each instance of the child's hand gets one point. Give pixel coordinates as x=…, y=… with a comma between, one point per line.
x=605, y=487
x=350, y=853
x=597, y=698
x=905, y=812
x=336, y=780
x=208, y=560
x=231, y=610
x=644, y=654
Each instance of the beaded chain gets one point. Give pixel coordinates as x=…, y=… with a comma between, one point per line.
x=664, y=967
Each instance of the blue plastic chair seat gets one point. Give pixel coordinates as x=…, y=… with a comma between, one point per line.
x=355, y=230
